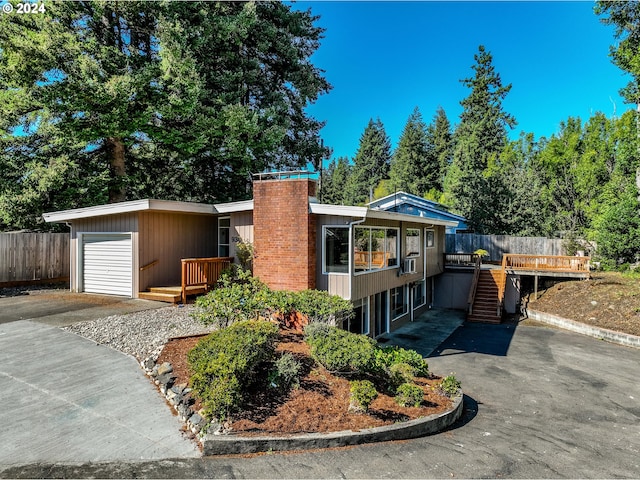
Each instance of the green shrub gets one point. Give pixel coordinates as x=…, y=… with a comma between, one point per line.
x=409, y=395
x=449, y=385
x=225, y=363
x=400, y=373
x=314, y=331
x=234, y=301
x=385, y=357
x=286, y=372
x=342, y=351
x=362, y=393
x=322, y=307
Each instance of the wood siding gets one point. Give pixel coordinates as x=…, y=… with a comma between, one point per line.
x=241, y=230
x=497, y=245
x=126, y=222
x=27, y=257
x=168, y=238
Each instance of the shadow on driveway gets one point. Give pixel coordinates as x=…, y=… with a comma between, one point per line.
x=478, y=338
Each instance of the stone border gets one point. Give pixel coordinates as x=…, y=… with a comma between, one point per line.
x=589, y=330
x=234, y=444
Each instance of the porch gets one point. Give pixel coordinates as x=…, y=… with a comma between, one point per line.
x=199, y=275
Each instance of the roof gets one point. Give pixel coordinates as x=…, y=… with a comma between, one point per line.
x=403, y=198
x=364, y=213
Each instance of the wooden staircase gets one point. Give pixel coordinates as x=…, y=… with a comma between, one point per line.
x=162, y=294
x=486, y=299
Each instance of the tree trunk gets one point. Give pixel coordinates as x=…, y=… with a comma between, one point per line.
x=116, y=158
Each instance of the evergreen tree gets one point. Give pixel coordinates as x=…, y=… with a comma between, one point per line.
x=440, y=131
x=410, y=170
x=480, y=138
x=106, y=101
x=334, y=180
x=371, y=164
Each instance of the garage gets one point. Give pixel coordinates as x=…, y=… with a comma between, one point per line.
x=106, y=263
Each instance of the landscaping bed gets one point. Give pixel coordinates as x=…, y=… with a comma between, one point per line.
x=319, y=405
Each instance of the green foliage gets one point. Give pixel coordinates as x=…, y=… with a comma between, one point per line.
x=449, y=385
x=226, y=362
x=286, y=372
x=334, y=180
x=313, y=332
x=341, y=351
x=362, y=394
x=400, y=373
x=244, y=252
x=320, y=306
x=371, y=164
x=385, y=357
x=481, y=252
x=236, y=300
x=409, y=395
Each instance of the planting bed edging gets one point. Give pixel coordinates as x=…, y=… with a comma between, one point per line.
x=232, y=444
x=591, y=331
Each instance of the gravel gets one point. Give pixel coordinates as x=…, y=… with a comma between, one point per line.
x=141, y=334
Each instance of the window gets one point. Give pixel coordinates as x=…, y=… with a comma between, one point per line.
x=419, y=298
x=224, y=225
x=375, y=248
x=412, y=242
x=336, y=250
x=430, y=238
x=398, y=301
x=360, y=322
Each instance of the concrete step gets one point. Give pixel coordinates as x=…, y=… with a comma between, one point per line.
x=160, y=297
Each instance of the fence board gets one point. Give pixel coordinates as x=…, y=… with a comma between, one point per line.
x=33, y=257
x=497, y=245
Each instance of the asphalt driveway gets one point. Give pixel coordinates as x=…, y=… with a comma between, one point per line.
x=541, y=403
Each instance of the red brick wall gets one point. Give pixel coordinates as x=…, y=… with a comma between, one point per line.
x=284, y=234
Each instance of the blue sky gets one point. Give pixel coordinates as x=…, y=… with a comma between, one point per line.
x=385, y=58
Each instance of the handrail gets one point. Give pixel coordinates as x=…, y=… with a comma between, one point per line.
x=558, y=263
x=474, y=284
x=203, y=272
x=502, y=285
x=149, y=265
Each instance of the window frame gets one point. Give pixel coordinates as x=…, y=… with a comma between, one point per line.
x=424, y=294
x=406, y=236
x=370, y=228
x=228, y=228
x=429, y=235
x=405, y=303
x=324, y=256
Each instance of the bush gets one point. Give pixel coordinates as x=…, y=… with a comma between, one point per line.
x=322, y=307
x=225, y=363
x=385, y=357
x=400, y=373
x=409, y=395
x=286, y=372
x=314, y=331
x=449, y=385
x=362, y=393
x=239, y=299
x=342, y=351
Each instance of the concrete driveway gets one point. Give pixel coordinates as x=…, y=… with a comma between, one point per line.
x=61, y=307
x=541, y=403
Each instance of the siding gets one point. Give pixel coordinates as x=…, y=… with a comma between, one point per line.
x=126, y=222
x=169, y=237
x=334, y=283
x=241, y=230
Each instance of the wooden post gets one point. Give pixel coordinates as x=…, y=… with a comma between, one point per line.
x=535, y=287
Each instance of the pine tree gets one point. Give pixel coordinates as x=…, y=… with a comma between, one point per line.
x=409, y=170
x=440, y=131
x=334, y=180
x=480, y=137
x=371, y=164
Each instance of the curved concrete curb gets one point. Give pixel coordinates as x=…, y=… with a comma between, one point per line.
x=596, y=332
x=231, y=444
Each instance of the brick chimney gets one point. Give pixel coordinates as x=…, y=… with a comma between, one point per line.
x=284, y=233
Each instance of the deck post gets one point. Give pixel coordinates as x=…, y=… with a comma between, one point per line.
x=535, y=286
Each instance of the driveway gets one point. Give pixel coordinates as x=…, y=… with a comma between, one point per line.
x=540, y=403
x=61, y=307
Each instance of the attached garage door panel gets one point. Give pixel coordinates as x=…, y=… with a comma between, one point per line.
x=107, y=264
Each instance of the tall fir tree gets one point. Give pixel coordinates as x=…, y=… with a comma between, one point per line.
x=480, y=138
x=440, y=132
x=371, y=164
x=334, y=179
x=410, y=168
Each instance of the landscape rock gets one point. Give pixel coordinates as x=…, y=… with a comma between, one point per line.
x=166, y=367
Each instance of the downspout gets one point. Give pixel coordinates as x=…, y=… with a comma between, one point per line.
x=424, y=268
x=351, y=271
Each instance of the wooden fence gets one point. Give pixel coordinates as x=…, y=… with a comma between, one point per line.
x=33, y=258
x=497, y=245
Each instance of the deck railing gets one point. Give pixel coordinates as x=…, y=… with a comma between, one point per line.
x=556, y=263
x=474, y=284
x=202, y=272
x=460, y=259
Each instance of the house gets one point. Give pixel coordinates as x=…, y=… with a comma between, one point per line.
x=383, y=261
x=403, y=202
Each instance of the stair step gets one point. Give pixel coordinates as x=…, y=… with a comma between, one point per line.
x=170, y=290
x=484, y=319
x=160, y=297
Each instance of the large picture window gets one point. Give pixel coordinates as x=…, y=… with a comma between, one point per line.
x=375, y=248
x=336, y=250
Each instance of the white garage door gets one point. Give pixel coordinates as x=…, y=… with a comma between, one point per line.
x=107, y=264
